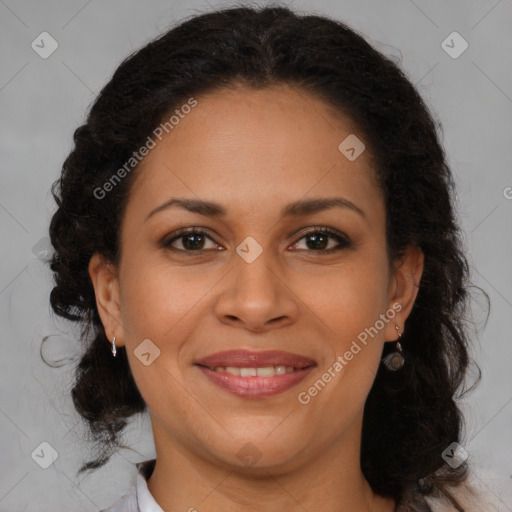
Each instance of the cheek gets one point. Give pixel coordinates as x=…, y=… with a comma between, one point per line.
x=155, y=313
x=155, y=297
x=348, y=298
x=159, y=303
x=361, y=322
x=350, y=302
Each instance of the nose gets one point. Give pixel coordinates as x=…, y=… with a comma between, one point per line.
x=256, y=297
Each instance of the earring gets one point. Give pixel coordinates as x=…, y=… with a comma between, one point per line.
x=114, y=347
x=395, y=360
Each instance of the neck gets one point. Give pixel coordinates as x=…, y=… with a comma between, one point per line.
x=183, y=480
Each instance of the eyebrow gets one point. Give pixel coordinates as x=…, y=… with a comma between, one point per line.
x=295, y=209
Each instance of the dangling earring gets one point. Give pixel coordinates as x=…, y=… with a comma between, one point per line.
x=395, y=360
x=114, y=347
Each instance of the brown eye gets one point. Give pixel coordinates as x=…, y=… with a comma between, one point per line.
x=190, y=240
x=318, y=240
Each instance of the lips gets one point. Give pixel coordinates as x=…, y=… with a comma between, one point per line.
x=248, y=359
x=255, y=374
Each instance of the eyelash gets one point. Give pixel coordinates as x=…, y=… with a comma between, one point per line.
x=343, y=241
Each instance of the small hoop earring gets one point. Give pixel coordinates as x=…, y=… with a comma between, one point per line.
x=114, y=347
x=395, y=360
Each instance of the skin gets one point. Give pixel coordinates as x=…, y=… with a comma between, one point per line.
x=254, y=151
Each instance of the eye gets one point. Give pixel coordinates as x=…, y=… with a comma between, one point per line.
x=317, y=238
x=190, y=240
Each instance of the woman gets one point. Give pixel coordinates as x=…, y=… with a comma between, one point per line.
x=256, y=230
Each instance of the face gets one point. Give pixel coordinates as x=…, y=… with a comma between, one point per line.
x=291, y=304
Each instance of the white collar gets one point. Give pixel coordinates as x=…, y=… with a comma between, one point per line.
x=145, y=500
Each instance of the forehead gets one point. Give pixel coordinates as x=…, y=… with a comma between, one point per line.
x=250, y=147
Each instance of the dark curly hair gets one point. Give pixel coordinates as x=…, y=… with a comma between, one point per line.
x=410, y=415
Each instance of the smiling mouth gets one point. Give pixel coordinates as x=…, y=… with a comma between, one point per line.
x=255, y=374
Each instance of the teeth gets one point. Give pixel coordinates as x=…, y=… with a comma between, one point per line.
x=265, y=371
x=248, y=372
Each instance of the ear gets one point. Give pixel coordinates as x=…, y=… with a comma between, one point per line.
x=403, y=288
x=106, y=288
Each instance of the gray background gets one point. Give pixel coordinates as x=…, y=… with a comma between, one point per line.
x=44, y=100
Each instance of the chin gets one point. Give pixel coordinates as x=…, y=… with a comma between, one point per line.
x=257, y=451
